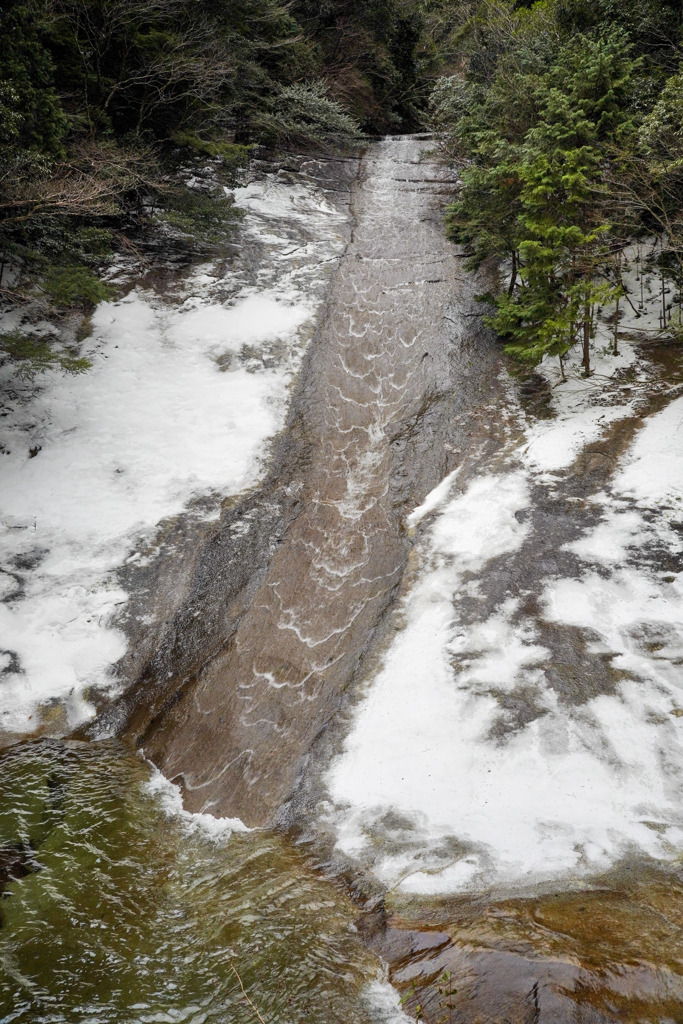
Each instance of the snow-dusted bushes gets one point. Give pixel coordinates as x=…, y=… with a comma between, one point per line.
x=304, y=115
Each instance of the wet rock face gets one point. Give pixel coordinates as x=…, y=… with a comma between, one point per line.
x=321, y=547
x=16, y=861
x=597, y=957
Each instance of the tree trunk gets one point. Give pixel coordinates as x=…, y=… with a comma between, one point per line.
x=513, y=275
x=615, y=350
x=586, y=362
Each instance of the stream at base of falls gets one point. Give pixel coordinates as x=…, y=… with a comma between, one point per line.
x=120, y=908
x=117, y=910
x=413, y=685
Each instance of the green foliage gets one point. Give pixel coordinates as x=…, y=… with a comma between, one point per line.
x=34, y=354
x=203, y=217
x=92, y=244
x=304, y=115
x=196, y=67
x=231, y=155
x=105, y=103
x=559, y=151
x=74, y=287
x=369, y=54
x=654, y=23
x=31, y=117
x=58, y=242
x=661, y=133
x=484, y=219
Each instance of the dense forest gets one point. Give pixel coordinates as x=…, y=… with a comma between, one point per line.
x=108, y=106
x=564, y=118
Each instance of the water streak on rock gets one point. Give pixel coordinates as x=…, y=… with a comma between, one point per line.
x=236, y=734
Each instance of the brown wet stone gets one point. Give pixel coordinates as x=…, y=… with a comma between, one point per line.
x=605, y=955
x=401, y=945
x=295, y=581
x=299, y=578
x=16, y=861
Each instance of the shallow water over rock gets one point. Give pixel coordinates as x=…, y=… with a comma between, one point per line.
x=279, y=618
x=602, y=955
x=372, y=430
x=118, y=907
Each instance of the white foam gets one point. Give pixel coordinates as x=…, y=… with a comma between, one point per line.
x=385, y=1004
x=434, y=499
x=170, y=800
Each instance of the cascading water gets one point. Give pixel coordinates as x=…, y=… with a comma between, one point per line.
x=372, y=430
x=395, y=648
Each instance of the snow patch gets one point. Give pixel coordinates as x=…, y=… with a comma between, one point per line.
x=611, y=540
x=440, y=788
x=179, y=404
x=581, y=409
x=653, y=470
x=481, y=523
x=554, y=445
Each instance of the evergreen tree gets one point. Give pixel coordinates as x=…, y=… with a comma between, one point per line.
x=548, y=131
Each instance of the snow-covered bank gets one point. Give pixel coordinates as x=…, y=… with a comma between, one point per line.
x=179, y=404
x=468, y=766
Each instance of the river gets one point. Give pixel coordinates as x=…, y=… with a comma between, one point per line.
x=378, y=701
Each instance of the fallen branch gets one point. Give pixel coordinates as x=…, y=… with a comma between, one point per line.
x=244, y=993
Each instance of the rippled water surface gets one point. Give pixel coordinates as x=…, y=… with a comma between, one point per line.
x=370, y=433
x=113, y=911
